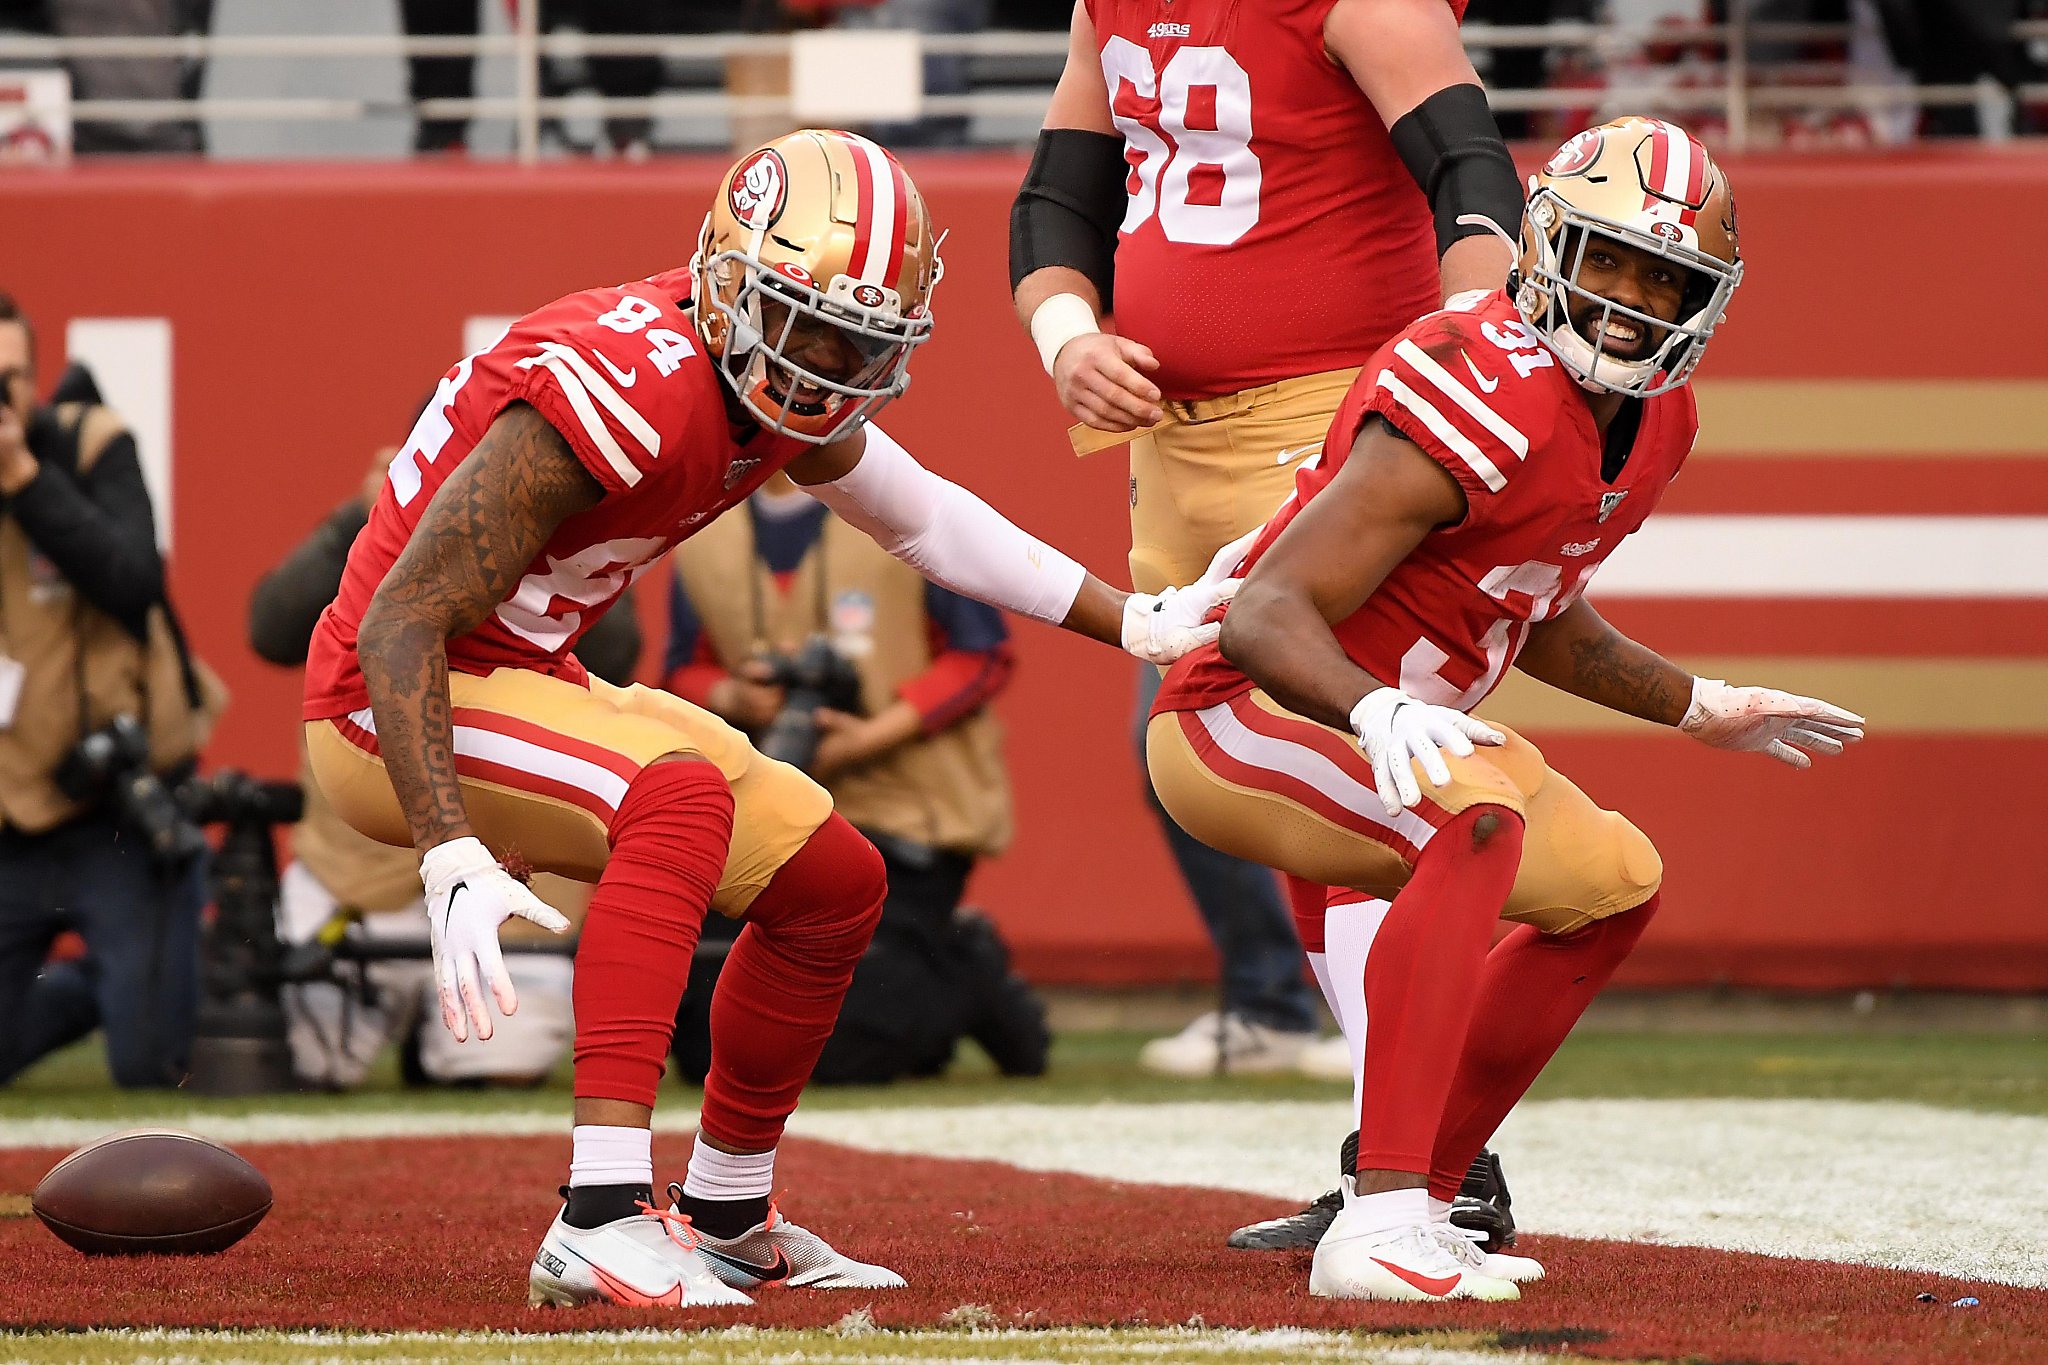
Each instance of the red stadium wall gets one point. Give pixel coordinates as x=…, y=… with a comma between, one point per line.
x=312, y=309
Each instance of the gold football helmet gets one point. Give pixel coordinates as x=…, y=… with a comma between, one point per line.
x=814, y=272
x=1650, y=184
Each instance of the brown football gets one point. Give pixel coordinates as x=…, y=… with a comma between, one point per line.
x=152, y=1191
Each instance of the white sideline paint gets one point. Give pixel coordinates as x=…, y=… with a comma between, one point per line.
x=1766, y=556
x=1889, y=1184
x=131, y=359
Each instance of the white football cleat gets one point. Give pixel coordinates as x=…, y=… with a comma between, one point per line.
x=1218, y=1044
x=777, y=1251
x=649, y=1260
x=1327, y=1059
x=1407, y=1264
x=1463, y=1243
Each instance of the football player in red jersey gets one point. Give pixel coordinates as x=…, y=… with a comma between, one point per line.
x=444, y=709
x=1263, y=195
x=1481, y=469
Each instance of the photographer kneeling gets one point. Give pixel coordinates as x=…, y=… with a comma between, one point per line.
x=99, y=705
x=337, y=1027
x=841, y=660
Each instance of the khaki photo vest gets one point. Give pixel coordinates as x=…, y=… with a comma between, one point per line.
x=949, y=790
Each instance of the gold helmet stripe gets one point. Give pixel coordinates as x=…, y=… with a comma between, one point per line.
x=882, y=215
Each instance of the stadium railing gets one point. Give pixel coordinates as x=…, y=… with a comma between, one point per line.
x=1735, y=87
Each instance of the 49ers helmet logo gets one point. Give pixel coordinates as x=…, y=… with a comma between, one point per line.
x=760, y=187
x=1576, y=155
x=868, y=296
x=1670, y=232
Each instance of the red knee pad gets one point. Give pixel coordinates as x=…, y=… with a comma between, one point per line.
x=836, y=877
x=670, y=837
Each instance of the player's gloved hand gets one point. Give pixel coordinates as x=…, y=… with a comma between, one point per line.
x=1099, y=379
x=468, y=897
x=1396, y=732
x=1159, y=629
x=1788, y=727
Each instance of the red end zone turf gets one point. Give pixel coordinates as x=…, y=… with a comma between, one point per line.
x=435, y=1233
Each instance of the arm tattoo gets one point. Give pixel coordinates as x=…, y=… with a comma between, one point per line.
x=473, y=543
x=1619, y=674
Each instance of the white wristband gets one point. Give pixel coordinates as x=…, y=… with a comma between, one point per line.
x=1058, y=321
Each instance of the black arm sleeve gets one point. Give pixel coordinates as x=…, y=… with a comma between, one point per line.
x=99, y=531
x=1069, y=207
x=1452, y=147
x=611, y=647
x=287, y=603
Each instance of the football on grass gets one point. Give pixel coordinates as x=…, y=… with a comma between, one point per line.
x=153, y=1191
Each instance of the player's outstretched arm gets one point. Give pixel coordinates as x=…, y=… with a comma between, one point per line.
x=959, y=542
x=1579, y=652
x=1063, y=233
x=473, y=542
x=1408, y=59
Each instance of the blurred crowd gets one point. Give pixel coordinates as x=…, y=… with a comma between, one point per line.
x=1965, y=47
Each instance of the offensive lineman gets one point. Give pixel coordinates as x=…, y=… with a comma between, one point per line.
x=444, y=709
x=1482, y=468
x=1265, y=194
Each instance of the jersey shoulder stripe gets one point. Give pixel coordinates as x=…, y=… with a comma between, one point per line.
x=1456, y=390
x=587, y=416
x=1415, y=405
x=600, y=388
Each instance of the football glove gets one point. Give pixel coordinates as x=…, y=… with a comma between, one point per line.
x=468, y=897
x=1788, y=727
x=1396, y=732
x=1159, y=629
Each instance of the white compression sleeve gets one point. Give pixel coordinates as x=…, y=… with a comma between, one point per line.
x=949, y=535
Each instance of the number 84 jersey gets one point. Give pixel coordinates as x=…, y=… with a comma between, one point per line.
x=1270, y=229
x=1480, y=393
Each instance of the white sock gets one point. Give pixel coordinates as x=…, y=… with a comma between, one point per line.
x=727, y=1175
x=1439, y=1210
x=603, y=1155
x=1390, y=1209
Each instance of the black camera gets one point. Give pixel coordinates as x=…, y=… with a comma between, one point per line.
x=112, y=765
x=229, y=797
x=815, y=676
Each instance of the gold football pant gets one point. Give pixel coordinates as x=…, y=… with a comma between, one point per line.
x=1217, y=467
x=1255, y=780
x=544, y=764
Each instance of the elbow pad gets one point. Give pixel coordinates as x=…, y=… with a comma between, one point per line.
x=949, y=535
x=1069, y=208
x=1454, y=150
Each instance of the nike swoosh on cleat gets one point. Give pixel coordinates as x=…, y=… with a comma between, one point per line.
x=1485, y=385
x=1428, y=1284
x=773, y=1273
x=618, y=1291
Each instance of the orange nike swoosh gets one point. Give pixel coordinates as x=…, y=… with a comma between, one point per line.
x=1435, y=1288
x=623, y=1293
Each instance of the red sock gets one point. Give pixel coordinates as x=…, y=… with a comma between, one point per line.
x=1534, y=988
x=1307, y=899
x=779, y=994
x=669, y=840
x=1422, y=979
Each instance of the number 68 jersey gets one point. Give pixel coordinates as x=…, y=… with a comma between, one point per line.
x=1480, y=393
x=1271, y=230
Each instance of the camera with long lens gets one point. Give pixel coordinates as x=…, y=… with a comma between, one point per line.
x=816, y=676
x=240, y=1047
x=110, y=767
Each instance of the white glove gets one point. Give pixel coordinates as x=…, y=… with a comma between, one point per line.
x=1394, y=728
x=1161, y=629
x=468, y=897
x=1789, y=728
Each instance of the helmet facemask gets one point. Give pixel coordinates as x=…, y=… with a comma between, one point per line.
x=1548, y=295
x=773, y=322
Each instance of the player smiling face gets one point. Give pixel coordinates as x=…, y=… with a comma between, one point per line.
x=1629, y=277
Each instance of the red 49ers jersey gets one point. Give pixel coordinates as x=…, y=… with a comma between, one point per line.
x=1480, y=393
x=1272, y=230
x=622, y=375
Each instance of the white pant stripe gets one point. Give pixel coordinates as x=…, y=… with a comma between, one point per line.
x=527, y=757
x=1304, y=764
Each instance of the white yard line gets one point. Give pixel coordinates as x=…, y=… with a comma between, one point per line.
x=1905, y=1185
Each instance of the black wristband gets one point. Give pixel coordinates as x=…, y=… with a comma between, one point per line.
x=1069, y=208
x=1454, y=150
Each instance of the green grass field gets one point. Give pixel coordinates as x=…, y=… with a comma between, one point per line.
x=1993, y=1072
